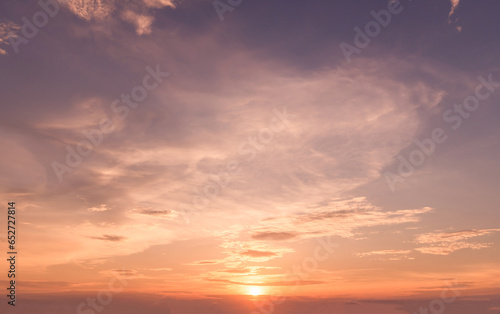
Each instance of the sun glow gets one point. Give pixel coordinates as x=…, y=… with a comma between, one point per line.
x=255, y=291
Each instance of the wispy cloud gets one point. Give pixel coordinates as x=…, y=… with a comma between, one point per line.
x=445, y=243
x=107, y=237
x=272, y=238
x=90, y=9
x=340, y=217
x=137, y=13
x=159, y=3
x=276, y=236
x=447, y=248
x=100, y=208
x=126, y=272
x=255, y=253
x=154, y=212
x=270, y=283
x=207, y=262
x=7, y=29
x=454, y=236
x=158, y=269
x=141, y=22
x=454, y=6
x=392, y=255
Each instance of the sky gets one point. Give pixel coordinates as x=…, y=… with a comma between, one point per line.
x=236, y=156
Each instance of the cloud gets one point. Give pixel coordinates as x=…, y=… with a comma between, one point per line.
x=100, y=208
x=90, y=9
x=445, y=243
x=454, y=236
x=267, y=239
x=159, y=3
x=7, y=29
x=154, y=212
x=113, y=238
x=126, y=272
x=196, y=263
x=276, y=236
x=270, y=283
x=158, y=269
x=348, y=123
x=448, y=248
x=141, y=22
x=236, y=270
x=454, y=6
x=242, y=252
x=160, y=153
x=136, y=13
x=338, y=217
x=390, y=255
x=255, y=253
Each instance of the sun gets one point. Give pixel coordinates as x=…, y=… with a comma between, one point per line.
x=254, y=291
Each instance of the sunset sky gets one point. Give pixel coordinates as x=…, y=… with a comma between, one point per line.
x=251, y=156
